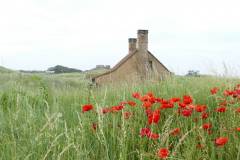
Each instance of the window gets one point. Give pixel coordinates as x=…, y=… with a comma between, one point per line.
x=150, y=65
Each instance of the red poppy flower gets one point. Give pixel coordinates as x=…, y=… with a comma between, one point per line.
x=175, y=132
x=204, y=115
x=154, y=117
x=223, y=103
x=167, y=105
x=127, y=115
x=94, y=126
x=152, y=99
x=123, y=103
x=238, y=110
x=182, y=105
x=207, y=126
x=106, y=110
x=175, y=99
x=228, y=93
x=214, y=90
x=200, y=108
x=148, y=112
x=136, y=95
x=221, y=141
x=163, y=153
x=238, y=129
x=145, y=132
x=147, y=104
x=117, y=108
x=153, y=136
x=87, y=107
x=187, y=99
x=150, y=94
x=186, y=112
x=159, y=100
x=221, y=109
x=131, y=103
x=144, y=98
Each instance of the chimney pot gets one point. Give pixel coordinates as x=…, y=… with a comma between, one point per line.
x=142, y=43
x=132, y=45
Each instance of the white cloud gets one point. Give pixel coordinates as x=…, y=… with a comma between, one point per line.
x=85, y=33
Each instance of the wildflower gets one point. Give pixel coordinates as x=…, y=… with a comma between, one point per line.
x=186, y=112
x=148, y=112
x=87, y=107
x=200, y=108
x=153, y=136
x=152, y=99
x=106, y=110
x=228, y=93
x=175, y=99
x=94, y=126
x=163, y=153
x=147, y=104
x=182, y=105
x=145, y=132
x=238, y=129
x=191, y=106
x=154, y=117
x=187, y=99
x=204, y=115
x=238, y=110
x=221, y=141
x=136, y=95
x=221, y=109
x=167, y=105
x=207, y=126
x=214, y=90
x=117, y=108
x=150, y=94
x=223, y=103
x=127, y=115
x=175, y=132
x=131, y=103
x=123, y=103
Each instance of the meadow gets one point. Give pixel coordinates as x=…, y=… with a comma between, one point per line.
x=60, y=117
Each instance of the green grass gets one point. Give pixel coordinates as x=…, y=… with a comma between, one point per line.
x=41, y=118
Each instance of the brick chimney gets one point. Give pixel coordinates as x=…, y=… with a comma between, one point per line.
x=142, y=41
x=132, y=45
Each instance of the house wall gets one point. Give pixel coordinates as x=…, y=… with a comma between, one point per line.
x=128, y=71
x=133, y=70
x=158, y=71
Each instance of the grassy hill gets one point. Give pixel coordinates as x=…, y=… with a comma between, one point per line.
x=42, y=117
x=5, y=70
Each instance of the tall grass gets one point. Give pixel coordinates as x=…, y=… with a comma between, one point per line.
x=41, y=118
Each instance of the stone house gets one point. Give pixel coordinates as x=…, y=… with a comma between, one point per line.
x=138, y=65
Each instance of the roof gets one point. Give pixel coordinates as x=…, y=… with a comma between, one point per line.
x=123, y=61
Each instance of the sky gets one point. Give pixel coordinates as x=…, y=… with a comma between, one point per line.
x=183, y=34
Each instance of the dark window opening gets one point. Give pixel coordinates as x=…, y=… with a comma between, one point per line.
x=151, y=65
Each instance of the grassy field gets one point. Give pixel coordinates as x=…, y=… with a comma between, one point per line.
x=41, y=117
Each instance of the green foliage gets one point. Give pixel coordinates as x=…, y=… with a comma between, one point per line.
x=41, y=118
x=62, y=69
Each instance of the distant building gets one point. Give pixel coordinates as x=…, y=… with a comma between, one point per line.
x=139, y=64
x=102, y=67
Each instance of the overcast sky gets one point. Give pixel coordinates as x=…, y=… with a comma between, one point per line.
x=183, y=34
